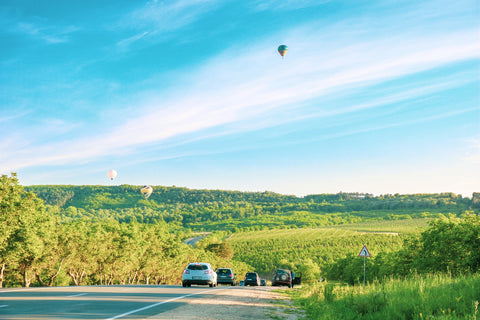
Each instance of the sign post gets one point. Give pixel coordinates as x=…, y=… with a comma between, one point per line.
x=364, y=253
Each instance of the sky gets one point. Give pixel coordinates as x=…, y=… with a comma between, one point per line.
x=380, y=97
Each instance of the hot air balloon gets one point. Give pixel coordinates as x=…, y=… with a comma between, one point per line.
x=282, y=50
x=146, y=191
x=112, y=174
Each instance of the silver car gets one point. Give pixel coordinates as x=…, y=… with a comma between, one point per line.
x=199, y=273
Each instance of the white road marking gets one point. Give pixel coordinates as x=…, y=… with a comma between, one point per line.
x=77, y=295
x=3, y=306
x=159, y=303
x=29, y=289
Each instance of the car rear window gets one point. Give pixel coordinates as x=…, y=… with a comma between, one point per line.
x=197, y=267
x=281, y=271
x=251, y=274
x=224, y=271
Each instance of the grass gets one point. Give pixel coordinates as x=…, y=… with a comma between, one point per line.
x=437, y=296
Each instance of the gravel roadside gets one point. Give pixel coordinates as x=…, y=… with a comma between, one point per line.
x=235, y=303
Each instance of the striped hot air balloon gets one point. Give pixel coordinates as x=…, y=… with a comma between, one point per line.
x=282, y=50
x=146, y=191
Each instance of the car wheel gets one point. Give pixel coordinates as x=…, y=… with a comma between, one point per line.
x=184, y=284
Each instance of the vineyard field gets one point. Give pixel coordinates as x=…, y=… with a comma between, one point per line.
x=266, y=250
x=394, y=226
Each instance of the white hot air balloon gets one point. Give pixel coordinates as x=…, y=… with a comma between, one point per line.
x=112, y=174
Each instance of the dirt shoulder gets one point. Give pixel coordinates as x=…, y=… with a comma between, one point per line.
x=235, y=303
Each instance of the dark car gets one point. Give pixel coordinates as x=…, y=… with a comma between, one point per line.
x=282, y=277
x=263, y=282
x=225, y=275
x=252, y=279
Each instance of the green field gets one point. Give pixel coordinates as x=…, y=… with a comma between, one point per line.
x=438, y=296
x=267, y=250
x=396, y=226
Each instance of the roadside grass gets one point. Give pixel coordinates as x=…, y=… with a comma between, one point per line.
x=437, y=296
x=285, y=309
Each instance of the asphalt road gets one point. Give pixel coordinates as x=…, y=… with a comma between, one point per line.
x=97, y=302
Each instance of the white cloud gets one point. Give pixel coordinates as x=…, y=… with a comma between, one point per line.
x=262, y=5
x=247, y=87
x=49, y=34
x=132, y=39
x=161, y=16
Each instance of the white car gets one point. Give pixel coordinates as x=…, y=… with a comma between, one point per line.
x=199, y=273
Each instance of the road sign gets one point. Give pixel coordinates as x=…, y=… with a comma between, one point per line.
x=364, y=252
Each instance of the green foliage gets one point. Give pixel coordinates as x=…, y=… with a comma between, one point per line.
x=310, y=271
x=448, y=245
x=209, y=210
x=267, y=250
x=77, y=249
x=417, y=297
x=223, y=250
x=25, y=230
x=111, y=234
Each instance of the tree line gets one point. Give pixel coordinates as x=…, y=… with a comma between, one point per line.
x=449, y=245
x=38, y=248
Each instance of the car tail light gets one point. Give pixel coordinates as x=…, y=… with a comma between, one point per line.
x=208, y=271
x=231, y=275
x=186, y=271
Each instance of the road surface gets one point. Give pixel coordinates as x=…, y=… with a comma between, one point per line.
x=141, y=302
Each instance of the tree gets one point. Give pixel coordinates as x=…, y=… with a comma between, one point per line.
x=309, y=270
x=223, y=250
x=449, y=245
x=25, y=229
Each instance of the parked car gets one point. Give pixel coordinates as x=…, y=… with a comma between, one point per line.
x=199, y=273
x=282, y=277
x=252, y=279
x=241, y=283
x=263, y=282
x=225, y=275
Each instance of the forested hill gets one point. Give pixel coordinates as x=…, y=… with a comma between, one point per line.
x=127, y=196
x=217, y=209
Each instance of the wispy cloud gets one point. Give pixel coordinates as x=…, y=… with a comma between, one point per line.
x=132, y=39
x=286, y=4
x=162, y=16
x=8, y=116
x=49, y=34
x=240, y=89
x=157, y=20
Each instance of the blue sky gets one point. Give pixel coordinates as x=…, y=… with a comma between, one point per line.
x=372, y=96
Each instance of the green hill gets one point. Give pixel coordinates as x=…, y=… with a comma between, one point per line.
x=209, y=210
